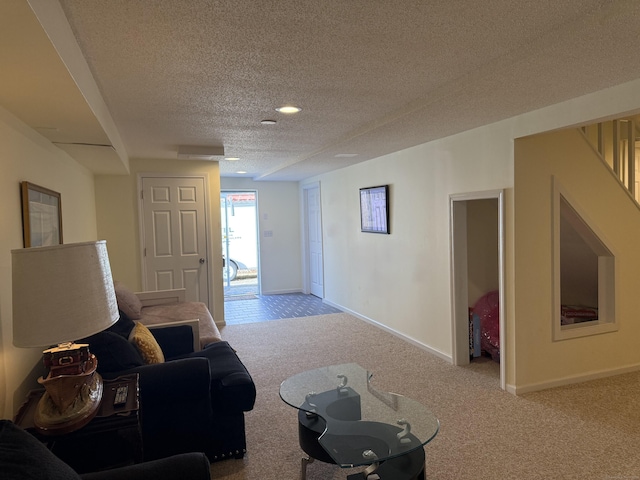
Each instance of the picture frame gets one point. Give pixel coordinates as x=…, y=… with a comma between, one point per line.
x=41, y=216
x=374, y=209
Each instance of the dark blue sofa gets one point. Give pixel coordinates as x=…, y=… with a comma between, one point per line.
x=193, y=402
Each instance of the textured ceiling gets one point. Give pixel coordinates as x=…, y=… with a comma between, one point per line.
x=372, y=76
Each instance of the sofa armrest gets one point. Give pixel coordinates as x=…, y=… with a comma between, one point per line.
x=174, y=382
x=194, y=466
x=175, y=407
x=161, y=297
x=195, y=329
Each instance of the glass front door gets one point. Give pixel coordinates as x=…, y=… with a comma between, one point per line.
x=239, y=221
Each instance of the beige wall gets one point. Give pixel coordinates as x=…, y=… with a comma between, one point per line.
x=117, y=214
x=482, y=248
x=26, y=156
x=566, y=156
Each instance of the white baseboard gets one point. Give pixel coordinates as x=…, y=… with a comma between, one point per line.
x=413, y=341
x=514, y=390
x=561, y=382
x=280, y=292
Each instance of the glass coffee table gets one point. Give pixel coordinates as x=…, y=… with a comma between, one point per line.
x=343, y=419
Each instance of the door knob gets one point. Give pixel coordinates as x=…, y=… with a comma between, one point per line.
x=201, y=261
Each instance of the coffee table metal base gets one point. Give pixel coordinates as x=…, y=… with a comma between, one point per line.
x=404, y=467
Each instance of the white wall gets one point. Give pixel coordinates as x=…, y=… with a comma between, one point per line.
x=402, y=281
x=26, y=156
x=278, y=213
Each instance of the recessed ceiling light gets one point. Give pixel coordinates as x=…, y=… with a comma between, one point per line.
x=288, y=109
x=241, y=172
x=232, y=159
x=268, y=122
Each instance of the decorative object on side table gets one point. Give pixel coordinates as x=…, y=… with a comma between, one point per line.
x=113, y=438
x=62, y=293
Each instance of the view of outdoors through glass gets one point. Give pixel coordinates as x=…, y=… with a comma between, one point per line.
x=239, y=242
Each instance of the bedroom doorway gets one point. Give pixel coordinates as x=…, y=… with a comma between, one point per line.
x=477, y=268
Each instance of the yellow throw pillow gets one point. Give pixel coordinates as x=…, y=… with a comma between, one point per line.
x=146, y=344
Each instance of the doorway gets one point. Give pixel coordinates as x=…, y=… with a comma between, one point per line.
x=239, y=221
x=477, y=265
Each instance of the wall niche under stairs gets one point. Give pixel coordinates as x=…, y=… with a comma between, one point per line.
x=584, y=273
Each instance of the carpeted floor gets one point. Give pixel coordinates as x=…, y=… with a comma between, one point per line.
x=584, y=431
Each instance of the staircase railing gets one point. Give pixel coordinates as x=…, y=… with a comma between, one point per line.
x=618, y=143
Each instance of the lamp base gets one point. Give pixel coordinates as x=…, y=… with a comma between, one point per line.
x=86, y=389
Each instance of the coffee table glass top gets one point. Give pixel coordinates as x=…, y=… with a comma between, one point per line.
x=363, y=425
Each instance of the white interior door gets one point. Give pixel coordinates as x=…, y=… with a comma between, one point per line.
x=314, y=240
x=175, y=235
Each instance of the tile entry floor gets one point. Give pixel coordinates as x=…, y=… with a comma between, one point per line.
x=251, y=307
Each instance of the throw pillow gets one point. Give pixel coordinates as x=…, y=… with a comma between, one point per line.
x=114, y=352
x=128, y=302
x=146, y=344
x=23, y=456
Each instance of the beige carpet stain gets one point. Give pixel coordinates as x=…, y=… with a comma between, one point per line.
x=584, y=431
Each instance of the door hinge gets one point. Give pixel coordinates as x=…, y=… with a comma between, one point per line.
x=144, y=252
x=141, y=194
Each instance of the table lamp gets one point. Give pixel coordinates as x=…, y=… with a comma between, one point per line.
x=60, y=294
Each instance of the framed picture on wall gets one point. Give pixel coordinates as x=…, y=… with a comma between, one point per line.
x=41, y=216
x=374, y=209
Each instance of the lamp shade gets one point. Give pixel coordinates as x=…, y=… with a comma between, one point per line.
x=61, y=293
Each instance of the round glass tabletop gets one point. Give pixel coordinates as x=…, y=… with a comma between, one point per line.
x=358, y=424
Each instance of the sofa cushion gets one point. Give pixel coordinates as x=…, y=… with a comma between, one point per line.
x=23, y=456
x=114, y=352
x=175, y=341
x=128, y=301
x=232, y=387
x=146, y=344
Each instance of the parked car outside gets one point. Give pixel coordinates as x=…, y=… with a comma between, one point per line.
x=232, y=272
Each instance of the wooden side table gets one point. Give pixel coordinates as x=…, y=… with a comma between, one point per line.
x=112, y=439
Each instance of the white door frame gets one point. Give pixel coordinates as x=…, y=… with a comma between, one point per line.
x=257, y=225
x=306, y=262
x=459, y=280
x=207, y=220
